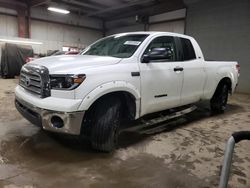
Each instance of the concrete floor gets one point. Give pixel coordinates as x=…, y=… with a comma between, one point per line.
x=184, y=153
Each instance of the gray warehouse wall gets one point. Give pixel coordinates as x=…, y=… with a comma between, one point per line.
x=8, y=26
x=170, y=26
x=59, y=31
x=222, y=29
x=169, y=21
x=132, y=28
x=54, y=36
x=123, y=25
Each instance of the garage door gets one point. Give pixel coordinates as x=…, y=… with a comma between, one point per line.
x=173, y=26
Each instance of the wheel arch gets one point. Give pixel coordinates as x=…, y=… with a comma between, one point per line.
x=224, y=80
x=128, y=93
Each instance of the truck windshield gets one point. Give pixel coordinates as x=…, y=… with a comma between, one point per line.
x=121, y=46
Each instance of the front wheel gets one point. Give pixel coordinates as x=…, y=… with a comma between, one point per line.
x=105, y=124
x=219, y=101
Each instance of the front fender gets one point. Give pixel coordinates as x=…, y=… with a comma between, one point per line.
x=109, y=88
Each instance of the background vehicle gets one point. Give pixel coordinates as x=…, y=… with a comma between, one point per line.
x=72, y=53
x=65, y=53
x=121, y=77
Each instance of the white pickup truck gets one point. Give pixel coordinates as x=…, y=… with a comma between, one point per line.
x=121, y=77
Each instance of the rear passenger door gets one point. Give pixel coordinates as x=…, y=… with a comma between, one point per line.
x=194, y=72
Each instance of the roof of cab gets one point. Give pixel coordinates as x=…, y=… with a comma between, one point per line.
x=154, y=33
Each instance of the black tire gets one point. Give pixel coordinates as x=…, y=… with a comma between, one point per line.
x=105, y=124
x=219, y=101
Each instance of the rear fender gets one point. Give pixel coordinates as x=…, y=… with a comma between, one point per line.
x=227, y=74
x=222, y=75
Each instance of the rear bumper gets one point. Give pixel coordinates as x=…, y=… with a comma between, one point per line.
x=72, y=121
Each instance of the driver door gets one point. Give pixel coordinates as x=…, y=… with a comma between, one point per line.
x=161, y=78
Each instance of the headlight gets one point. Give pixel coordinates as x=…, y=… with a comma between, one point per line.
x=66, y=82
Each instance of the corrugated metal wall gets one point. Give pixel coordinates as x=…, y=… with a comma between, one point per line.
x=172, y=26
x=173, y=21
x=222, y=29
x=52, y=35
x=131, y=28
x=8, y=26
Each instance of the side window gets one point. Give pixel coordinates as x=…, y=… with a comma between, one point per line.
x=187, y=49
x=166, y=42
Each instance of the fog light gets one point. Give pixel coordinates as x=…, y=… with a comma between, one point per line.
x=57, y=122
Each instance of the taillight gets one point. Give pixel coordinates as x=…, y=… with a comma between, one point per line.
x=238, y=67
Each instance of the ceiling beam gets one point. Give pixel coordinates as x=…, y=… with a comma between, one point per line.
x=150, y=10
x=35, y=3
x=78, y=10
x=134, y=3
x=106, y=3
x=82, y=4
x=16, y=5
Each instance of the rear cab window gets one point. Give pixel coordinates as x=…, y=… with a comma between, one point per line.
x=188, y=52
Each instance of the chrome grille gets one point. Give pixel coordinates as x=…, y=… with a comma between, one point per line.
x=35, y=79
x=31, y=82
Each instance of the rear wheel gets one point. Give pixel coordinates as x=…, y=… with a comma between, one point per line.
x=219, y=101
x=105, y=122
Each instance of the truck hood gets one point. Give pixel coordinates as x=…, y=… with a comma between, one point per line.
x=74, y=64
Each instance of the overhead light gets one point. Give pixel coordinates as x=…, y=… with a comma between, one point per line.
x=20, y=41
x=59, y=10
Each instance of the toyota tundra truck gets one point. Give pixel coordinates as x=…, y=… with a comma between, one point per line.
x=119, y=78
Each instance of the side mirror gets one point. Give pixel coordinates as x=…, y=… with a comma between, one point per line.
x=145, y=58
x=157, y=54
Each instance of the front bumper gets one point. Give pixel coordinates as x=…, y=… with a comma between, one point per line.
x=72, y=121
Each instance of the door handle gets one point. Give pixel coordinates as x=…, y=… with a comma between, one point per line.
x=178, y=69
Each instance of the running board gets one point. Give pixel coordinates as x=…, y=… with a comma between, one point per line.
x=147, y=123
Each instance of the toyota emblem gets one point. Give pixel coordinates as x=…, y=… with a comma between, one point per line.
x=27, y=81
